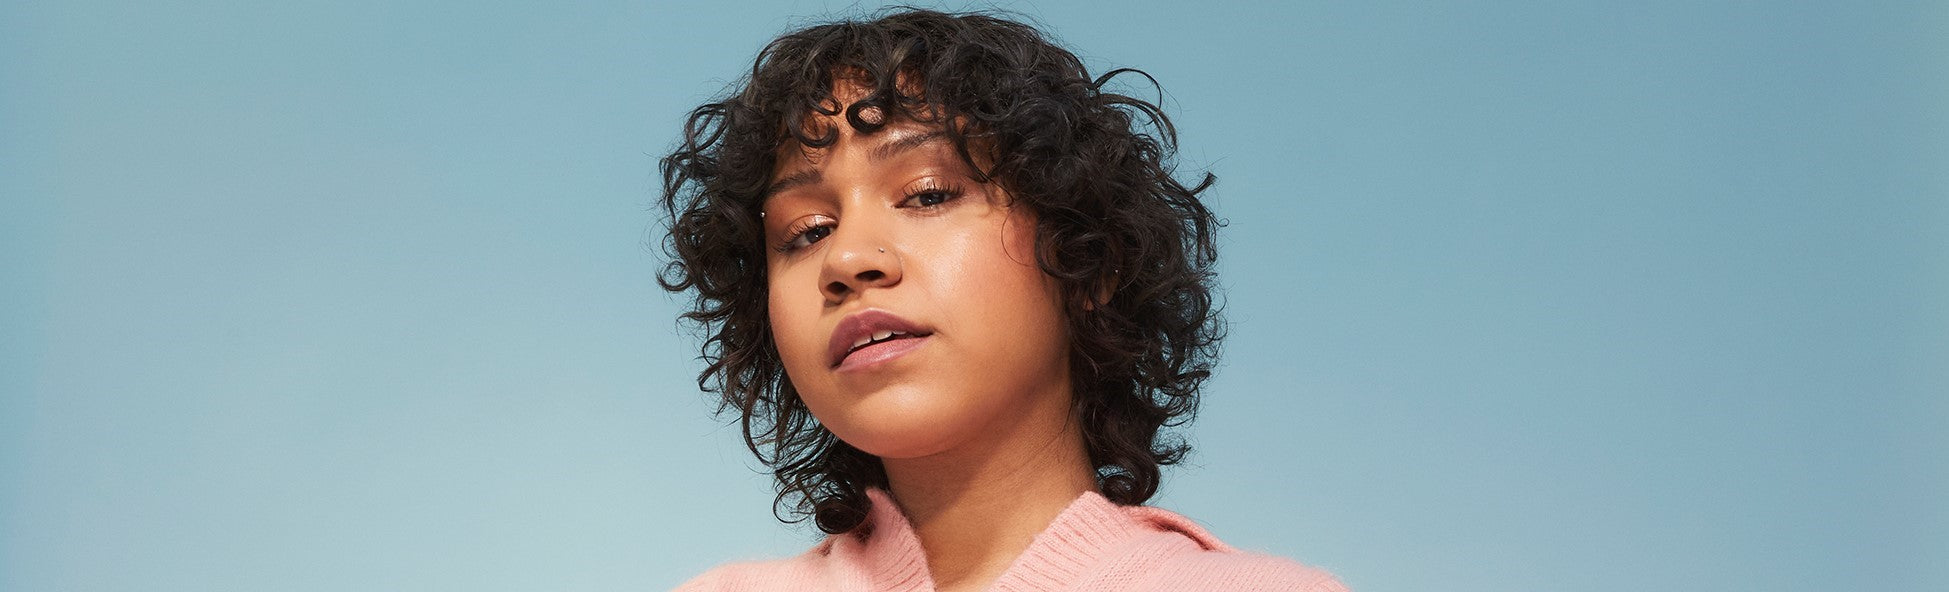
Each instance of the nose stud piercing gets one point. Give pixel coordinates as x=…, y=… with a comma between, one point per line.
x=883, y=249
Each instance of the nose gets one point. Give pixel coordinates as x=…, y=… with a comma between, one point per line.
x=856, y=261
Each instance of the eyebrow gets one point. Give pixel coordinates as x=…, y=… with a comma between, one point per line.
x=897, y=145
x=884, y=151
x=787, y=182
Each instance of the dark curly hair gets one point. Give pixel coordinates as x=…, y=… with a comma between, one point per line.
x=1132, y=247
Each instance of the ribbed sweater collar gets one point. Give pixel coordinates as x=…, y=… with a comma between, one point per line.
x=892, y=553
x=1083, y=536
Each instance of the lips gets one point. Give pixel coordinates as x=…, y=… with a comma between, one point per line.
x=872, y=335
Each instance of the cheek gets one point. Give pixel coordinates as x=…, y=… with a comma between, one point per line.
x=1009, y=304
x=794, y=319
x=1015, y=279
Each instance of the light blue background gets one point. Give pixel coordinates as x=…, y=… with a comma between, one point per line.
x=1526, y=295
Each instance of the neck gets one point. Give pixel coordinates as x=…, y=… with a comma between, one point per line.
x=977, y=507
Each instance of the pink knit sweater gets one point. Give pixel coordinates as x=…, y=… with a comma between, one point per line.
x=1093, y=545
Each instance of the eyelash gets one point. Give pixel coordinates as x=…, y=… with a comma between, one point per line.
x=947, y=193
x=799, y=231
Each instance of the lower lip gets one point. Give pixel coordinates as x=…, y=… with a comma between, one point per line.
x=879, y=354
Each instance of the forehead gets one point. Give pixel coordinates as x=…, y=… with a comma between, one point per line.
x=847, y=87
x=800, y=166
x=889, y=132
x=895, y=136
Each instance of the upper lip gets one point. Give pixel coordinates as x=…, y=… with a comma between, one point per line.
x=864, y=324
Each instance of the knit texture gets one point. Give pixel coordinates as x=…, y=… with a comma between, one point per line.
x=1093, y=544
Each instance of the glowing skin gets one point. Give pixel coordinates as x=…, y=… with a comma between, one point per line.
x=912, y=234
x=971, y=412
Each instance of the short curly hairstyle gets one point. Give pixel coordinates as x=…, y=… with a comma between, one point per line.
x=1131, y=246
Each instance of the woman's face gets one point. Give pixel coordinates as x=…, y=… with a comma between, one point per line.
x=887, y=239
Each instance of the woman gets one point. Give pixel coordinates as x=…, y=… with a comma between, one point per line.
x=954, y=294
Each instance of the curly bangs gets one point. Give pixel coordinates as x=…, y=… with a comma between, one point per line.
x=1132, y=247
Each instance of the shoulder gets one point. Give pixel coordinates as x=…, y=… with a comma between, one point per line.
x=882, y=553
x=1242, y=570
x=791, y=573
x=1187, y=557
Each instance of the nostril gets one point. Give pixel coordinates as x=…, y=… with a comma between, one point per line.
x=837, y=288
x=871, y=275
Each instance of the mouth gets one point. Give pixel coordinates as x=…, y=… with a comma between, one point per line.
x=872, y=336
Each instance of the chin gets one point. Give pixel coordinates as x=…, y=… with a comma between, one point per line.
x=904, y=441
x=902, y=425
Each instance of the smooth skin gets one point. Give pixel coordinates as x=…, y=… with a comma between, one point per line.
x=975, y=425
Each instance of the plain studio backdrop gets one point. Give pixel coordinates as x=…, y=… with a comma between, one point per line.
x=1524, y=295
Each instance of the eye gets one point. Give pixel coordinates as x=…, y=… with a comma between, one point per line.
x=930, y=195
x=931, y=198
x=803, y=236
